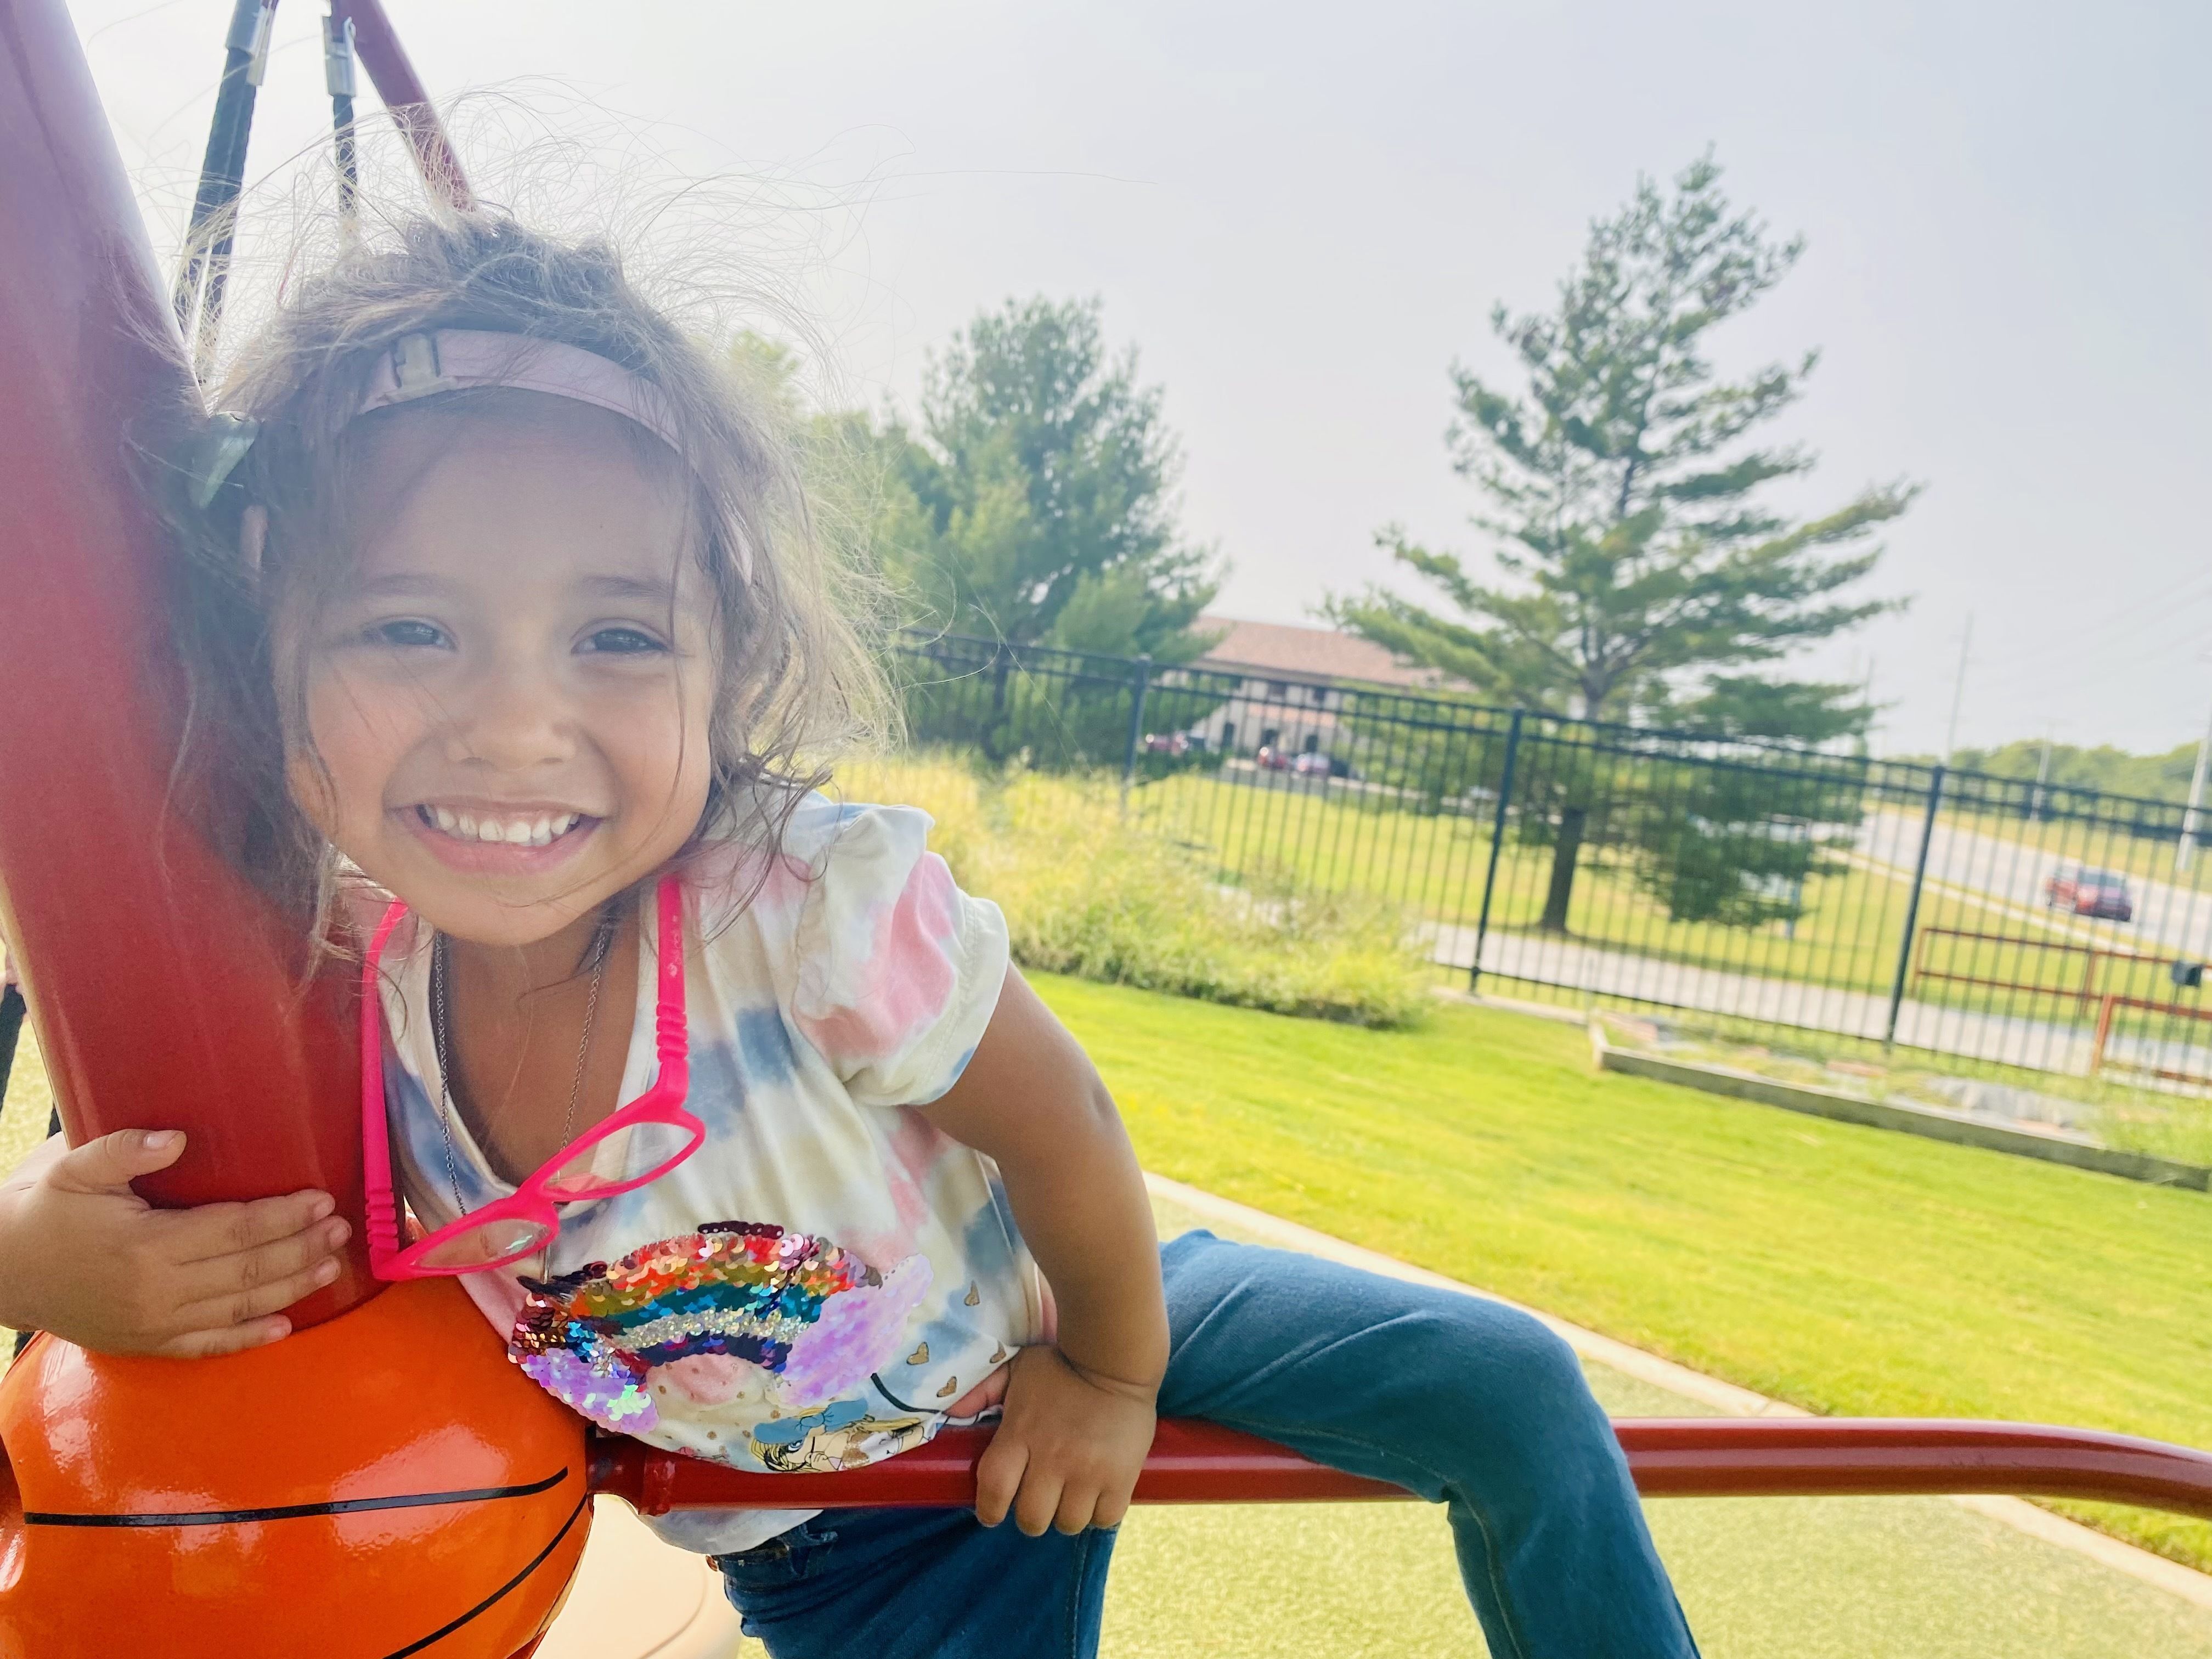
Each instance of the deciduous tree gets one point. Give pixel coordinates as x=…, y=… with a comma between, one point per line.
x=1035, y=500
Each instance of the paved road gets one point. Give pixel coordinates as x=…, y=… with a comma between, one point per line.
x=2169, y=920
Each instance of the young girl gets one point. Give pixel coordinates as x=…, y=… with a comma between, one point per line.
x=506, y=607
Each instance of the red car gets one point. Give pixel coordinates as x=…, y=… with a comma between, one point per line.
x=2090, y=893
x=1271, y=759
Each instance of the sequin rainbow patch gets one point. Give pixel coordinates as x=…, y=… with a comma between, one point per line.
x=816, y=1318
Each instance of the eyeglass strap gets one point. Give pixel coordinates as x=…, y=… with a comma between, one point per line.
x=669, y=1018
x=382, y=1202
x=670, y=1041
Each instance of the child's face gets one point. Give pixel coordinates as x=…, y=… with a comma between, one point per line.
x=510, y=698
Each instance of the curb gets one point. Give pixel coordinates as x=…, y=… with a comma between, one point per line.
x=1931, y=1122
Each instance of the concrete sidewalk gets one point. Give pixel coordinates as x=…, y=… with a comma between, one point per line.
x=1594, y=969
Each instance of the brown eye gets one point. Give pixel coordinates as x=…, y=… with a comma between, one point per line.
x=408, y=633
x=623, y=641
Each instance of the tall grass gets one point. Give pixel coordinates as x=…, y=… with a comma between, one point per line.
x=1089, y=890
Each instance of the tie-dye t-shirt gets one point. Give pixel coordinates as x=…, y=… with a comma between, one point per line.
x=828, y=1277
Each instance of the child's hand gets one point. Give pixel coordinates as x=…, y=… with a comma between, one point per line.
x=85, y=1257
x=1068, y=1449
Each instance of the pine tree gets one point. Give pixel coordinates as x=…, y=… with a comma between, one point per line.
x=1642, y=568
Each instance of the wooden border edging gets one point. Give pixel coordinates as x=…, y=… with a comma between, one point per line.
x=1932, y=1122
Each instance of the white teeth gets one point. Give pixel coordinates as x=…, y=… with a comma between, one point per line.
x=522, y=832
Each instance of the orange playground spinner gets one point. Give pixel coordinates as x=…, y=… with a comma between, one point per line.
x=383, y=1483
x=389, y=1486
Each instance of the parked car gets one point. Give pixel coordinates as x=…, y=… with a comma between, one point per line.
x=1167, y=742
x=1314, y=763
x=2088, y=892
x=1271, y=759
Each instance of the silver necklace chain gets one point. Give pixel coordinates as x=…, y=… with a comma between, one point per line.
x=441, y=1040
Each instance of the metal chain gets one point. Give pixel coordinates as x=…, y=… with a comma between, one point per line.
x=441, y=1040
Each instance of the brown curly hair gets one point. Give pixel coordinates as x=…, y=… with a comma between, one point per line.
x=795, y=681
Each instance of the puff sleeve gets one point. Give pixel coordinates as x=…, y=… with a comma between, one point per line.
x=898, y=971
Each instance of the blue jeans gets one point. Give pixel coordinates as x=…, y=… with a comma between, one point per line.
x=1462, y=1401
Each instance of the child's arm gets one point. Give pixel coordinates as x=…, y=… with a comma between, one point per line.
x=85, y=1257
x=1078, y=1415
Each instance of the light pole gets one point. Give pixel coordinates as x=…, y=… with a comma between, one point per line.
x=2187, y=850
x=2042, y=772
x=1959, y=691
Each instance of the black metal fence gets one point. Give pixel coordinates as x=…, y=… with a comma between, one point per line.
x=1991, y=918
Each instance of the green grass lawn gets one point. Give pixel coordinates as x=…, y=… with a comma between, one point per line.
x=1851, y=1271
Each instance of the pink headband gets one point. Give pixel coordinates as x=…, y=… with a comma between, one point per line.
x=457, y=358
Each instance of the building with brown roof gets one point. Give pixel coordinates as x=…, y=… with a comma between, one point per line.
x=1310, y=654
x=1291, y=682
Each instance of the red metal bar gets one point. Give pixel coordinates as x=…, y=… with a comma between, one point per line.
x=1745, y=1457
x=2097, y=955
x=377, y=45
x=2020, y=986
x=161, y=988
x=2099, y=1058
x=1194, y=1462
x=2120, y=951
x=2172, y=1009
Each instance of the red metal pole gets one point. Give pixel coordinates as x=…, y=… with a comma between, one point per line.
x=389, y=70
x=1193, y=1463
x=163, y=990
x=1742, y=1457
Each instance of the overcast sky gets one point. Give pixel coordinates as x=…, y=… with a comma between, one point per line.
x=1302, y=215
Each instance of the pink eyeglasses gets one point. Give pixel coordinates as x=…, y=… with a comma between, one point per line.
x=511, y=1228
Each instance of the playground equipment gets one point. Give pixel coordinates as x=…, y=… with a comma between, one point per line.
x=1689, y=1457
x=386, y=1480
x=384, y=1483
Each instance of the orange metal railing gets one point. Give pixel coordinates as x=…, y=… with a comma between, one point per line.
x=2100, y=1054
x=2095, y=956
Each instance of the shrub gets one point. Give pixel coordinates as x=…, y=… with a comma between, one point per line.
x=1088, y=891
